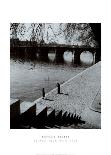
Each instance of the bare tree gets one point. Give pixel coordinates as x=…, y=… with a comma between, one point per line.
x=54, y=38
x=14, y=30
x=81, y=31
x=21, y=30
x=37, y=32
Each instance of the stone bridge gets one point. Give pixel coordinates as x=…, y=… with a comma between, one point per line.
x=44, y=49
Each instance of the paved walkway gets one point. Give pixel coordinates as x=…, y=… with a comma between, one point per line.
x=77, y=96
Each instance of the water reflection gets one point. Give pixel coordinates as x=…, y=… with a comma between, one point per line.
x=68, y=57
x=28, y=78
x=30, y=75
x=51, y=56
x=86, y=58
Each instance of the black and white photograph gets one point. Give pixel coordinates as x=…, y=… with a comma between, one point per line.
x=55, y=75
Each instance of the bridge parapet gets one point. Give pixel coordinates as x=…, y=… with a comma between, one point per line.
x=58, y=49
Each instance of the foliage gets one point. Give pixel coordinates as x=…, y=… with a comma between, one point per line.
x=14, y=30
x=81, y=32
x=21, y=30
x=37, y=32
x=71, y=33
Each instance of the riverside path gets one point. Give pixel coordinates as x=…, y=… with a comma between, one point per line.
x=81, y=95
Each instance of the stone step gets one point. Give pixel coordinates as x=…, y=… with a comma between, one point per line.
x=14, y=113
x=49, y=111
x=77, y=120
x=40, y=108
x=24, y=106
x=28, y=116
x=58, y=117
x=50, y=117
x=41, y=116
x=31, y=115
x=68, y=119
x=64, y=118
x=71, y=119
x=14, y=107
x=12, y=101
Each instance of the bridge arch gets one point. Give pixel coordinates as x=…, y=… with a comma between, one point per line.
x=78, y=52
x=43, y=50
x=87, y=57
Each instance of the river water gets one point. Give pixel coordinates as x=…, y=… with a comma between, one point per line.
x=27, y=78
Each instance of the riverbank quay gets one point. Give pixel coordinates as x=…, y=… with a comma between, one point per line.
x=77, y=96
x=79, y=100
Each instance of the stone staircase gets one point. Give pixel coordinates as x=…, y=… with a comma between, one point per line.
x=27, y=115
